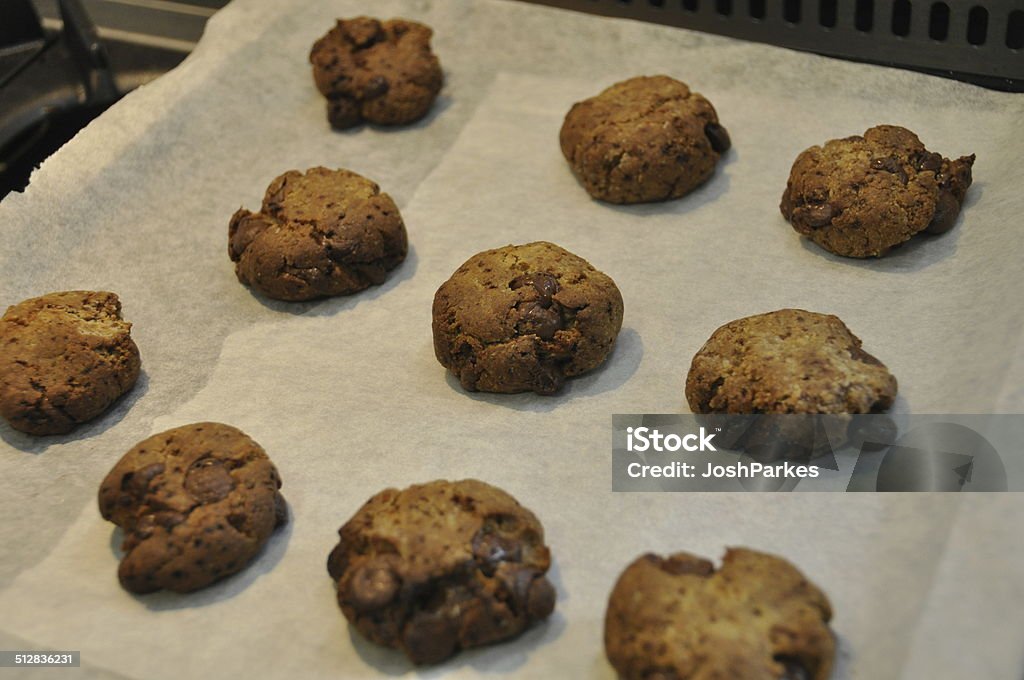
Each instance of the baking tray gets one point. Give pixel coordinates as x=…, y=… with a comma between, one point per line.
x=346, y=395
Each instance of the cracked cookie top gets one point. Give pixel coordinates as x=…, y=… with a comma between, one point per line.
x=642, y=140
x=383, y=72
x=443, y=566
x=524, y=318
x=756, y=618
x=319, y=233
x=862, y=196
x=196, y=504
x=787, y=361
x=64, y=359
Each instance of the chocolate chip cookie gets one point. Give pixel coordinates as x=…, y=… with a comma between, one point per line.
x=379, y=71
x=787, y=361
x=862, y=196
x=642, y=140
x=440, y=567
x=64, y=359
x=524, y=318
x=196, y=504
x=320, y=233
x=755, y=618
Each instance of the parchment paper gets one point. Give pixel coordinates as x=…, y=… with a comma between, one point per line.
x=347, y=397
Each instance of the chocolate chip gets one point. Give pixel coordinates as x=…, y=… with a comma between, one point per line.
x=946, y=210
x=532, y=594
x=929, y=161
x=207, y=481
x=243, y=230
x=882, y=163
x=816, y=216
x=549, y=379
x=280, y=510
x=377, y=87
x=481, y=623
x=709, y=396
x=539, y=316
x=718, y=137
x=890, y=164
x=490, y=549
x=342, y=112
x=168, y=519
x=138, y=482
x=535, y=319
x=794, y=669
x=429, y=638
x=661, y=675
x=545, y=285
x=372, y=586
x=540, y=599
x=239, y=522
x=337, y=561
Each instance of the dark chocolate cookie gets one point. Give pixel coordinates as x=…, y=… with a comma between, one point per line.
x=755, y=618
x=64, y=359
x=196, y=504
x=524, y=318
x=379, y=71
x=440, y=567
x=642, y=140
x=787, y=361
x=861, y=196
x=320, y=233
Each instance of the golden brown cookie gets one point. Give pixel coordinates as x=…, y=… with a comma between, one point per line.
x=524, y=318
x=319, y=233
x=755, y=618
x=642, y=140
x=440, y=567
x=787, y=361
x=379, y=71
x=862, y=196
x=65, y=358
x=196, y=504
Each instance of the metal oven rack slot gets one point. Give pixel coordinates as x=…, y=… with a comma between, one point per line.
x=980, y=41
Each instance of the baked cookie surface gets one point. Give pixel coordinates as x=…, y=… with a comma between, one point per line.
x=440, y=567
x=196, y=504
x=320, y=233
x=863, y=195
x=787, y=361
x=65, y=358
x=524, y=318
x=379, y=71
x=645, y=139
x=755, y=618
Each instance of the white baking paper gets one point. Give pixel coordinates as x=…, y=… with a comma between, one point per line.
x=347, y=398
